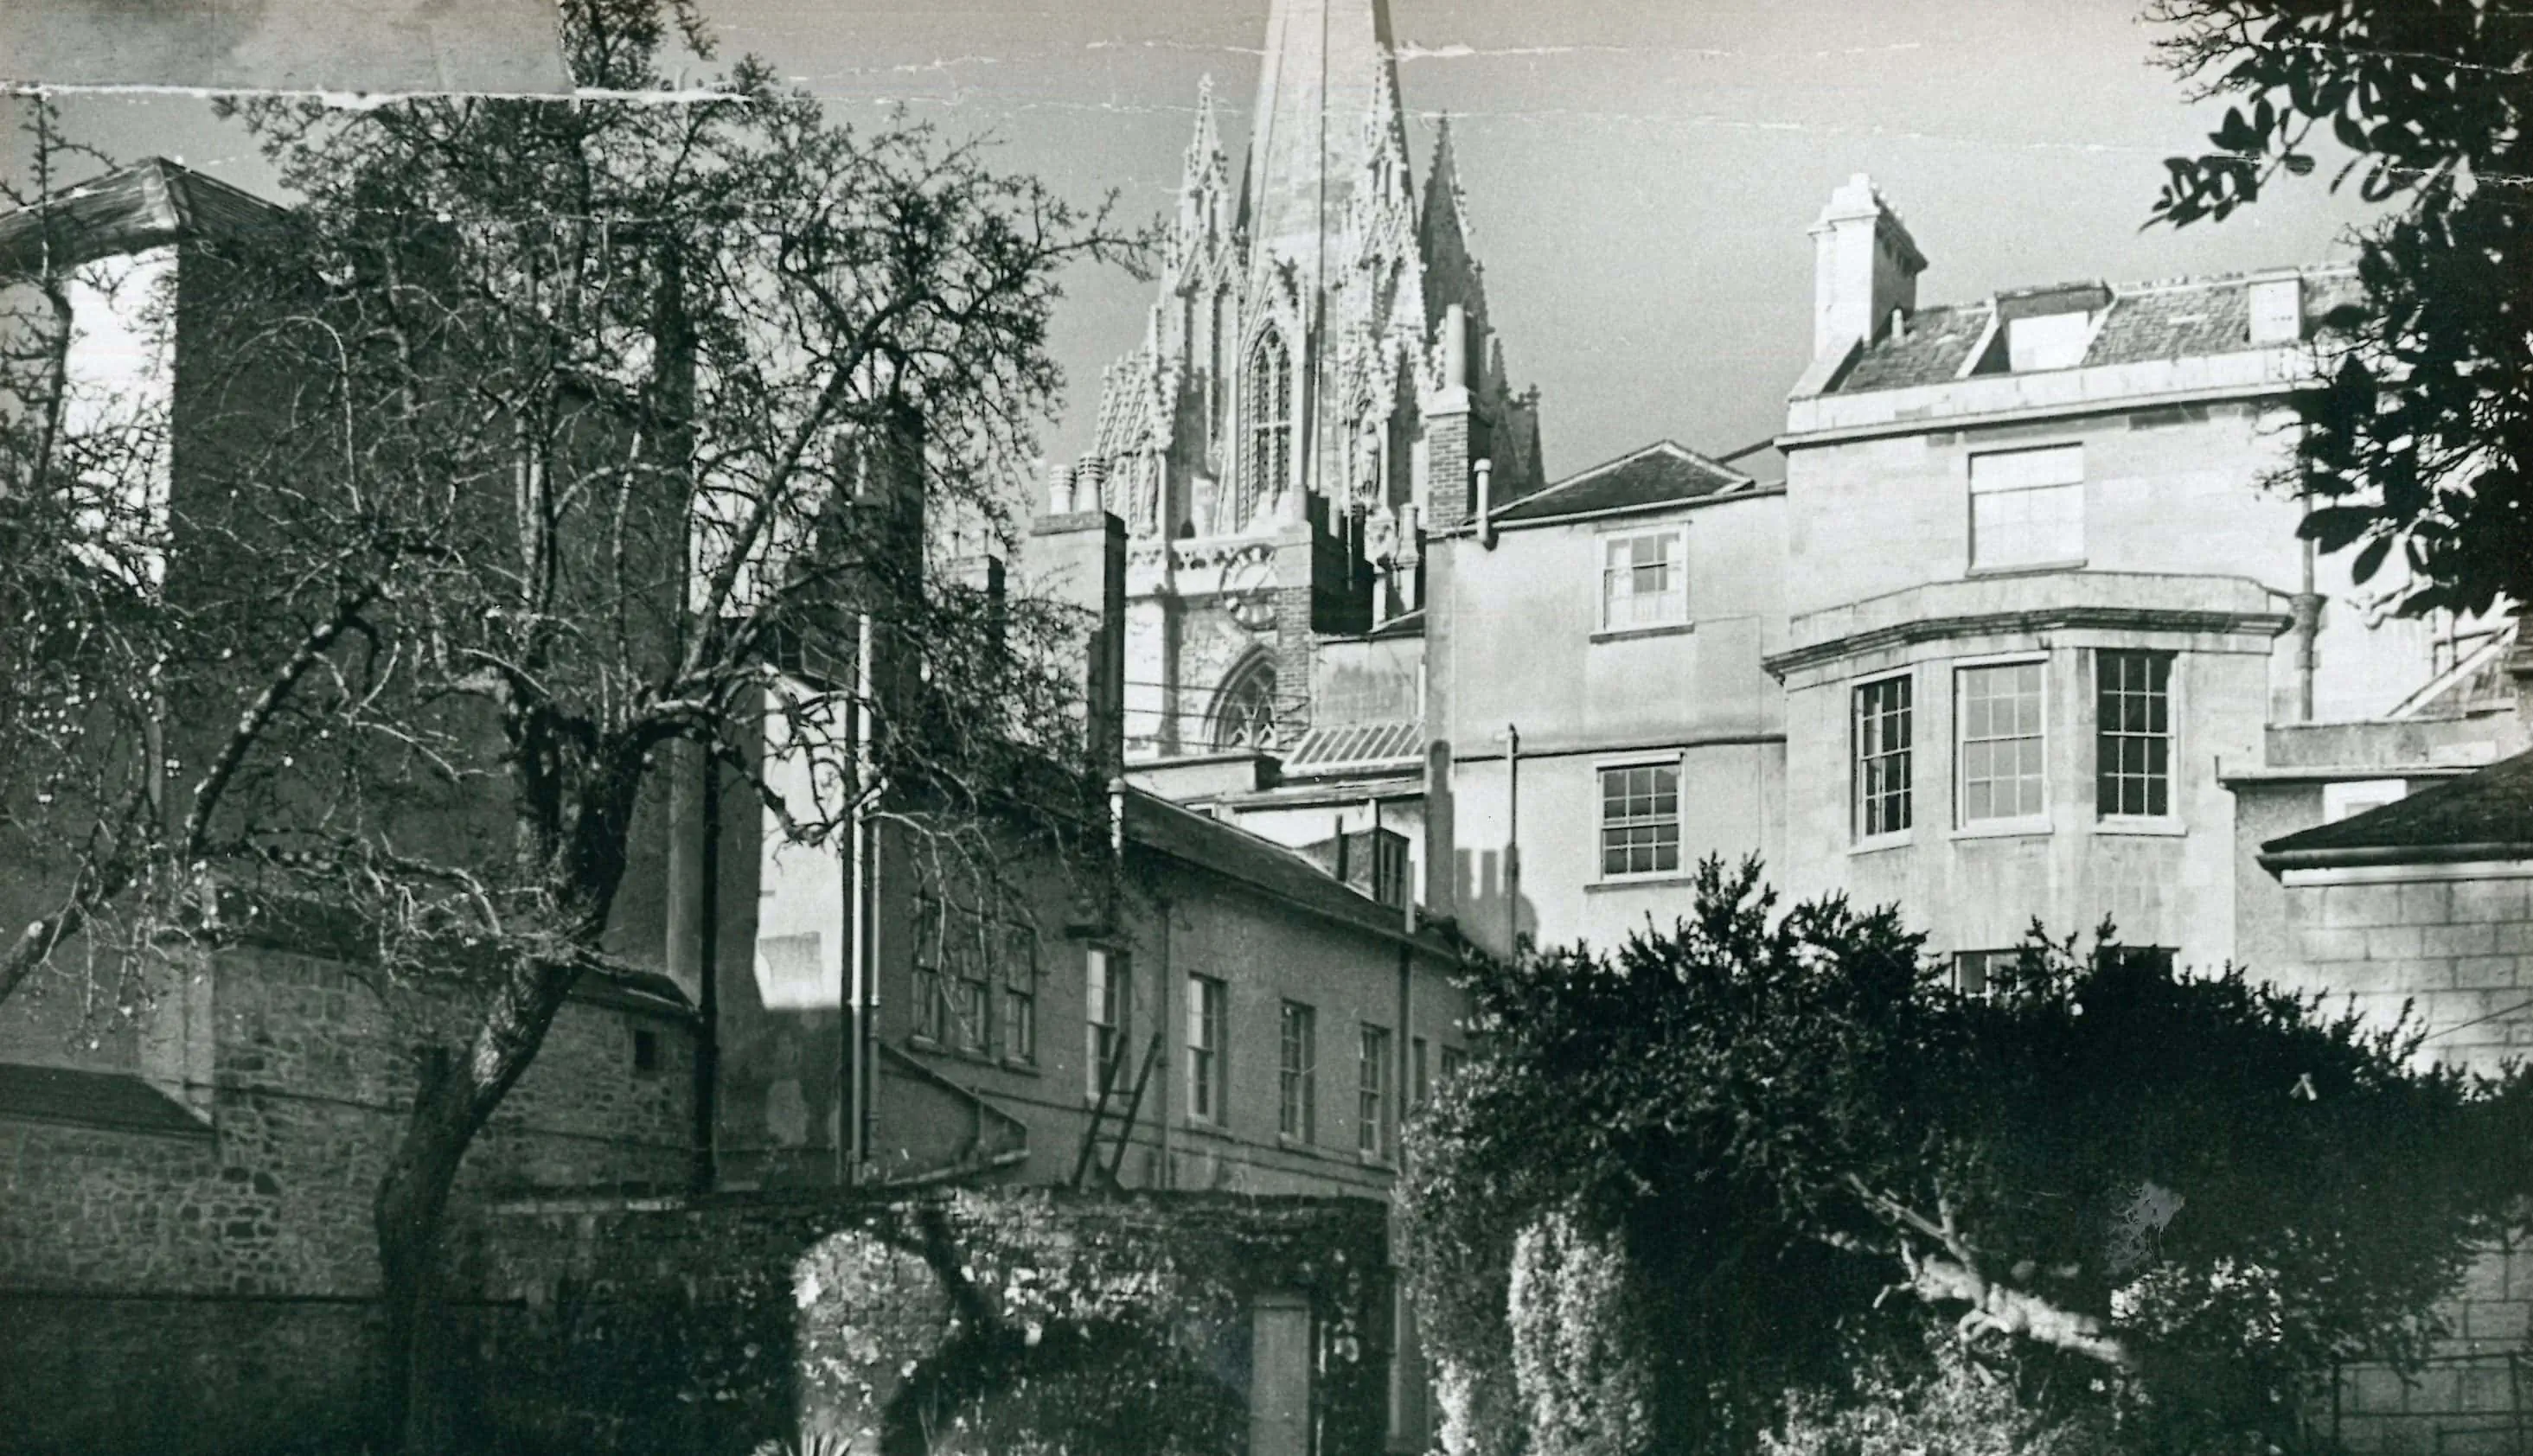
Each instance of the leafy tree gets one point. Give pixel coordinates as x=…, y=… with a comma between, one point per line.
x=2423, y=438
x=547, y=447
x=2170, y=1196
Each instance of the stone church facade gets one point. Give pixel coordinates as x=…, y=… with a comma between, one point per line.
x=1316, y=379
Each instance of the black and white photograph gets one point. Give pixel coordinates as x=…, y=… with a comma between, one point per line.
x=1266, y=728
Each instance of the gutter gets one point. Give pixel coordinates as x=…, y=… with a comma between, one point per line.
x=1371, y=924
x=2340, y=773
x=2360, y=857
x=1929, y=424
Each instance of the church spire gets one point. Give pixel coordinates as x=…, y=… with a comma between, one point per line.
x=1442, y=206
x=1322, y=76
x=1203, y=222
x=1452, y=273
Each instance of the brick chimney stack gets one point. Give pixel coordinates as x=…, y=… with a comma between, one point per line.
x=1447, y=410
x=1864, y=269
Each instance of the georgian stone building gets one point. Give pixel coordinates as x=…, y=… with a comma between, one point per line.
x=1958, y=658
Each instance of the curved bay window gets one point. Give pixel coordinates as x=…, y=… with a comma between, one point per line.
x=1244, y=716
x=1266, y=426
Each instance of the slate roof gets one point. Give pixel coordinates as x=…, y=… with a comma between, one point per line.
x=126, y=210
x=1661, y=474
x=1260, y=864
x=116, y=1101
x=2184, y=318
x=1937, y=342
x=2484, y=815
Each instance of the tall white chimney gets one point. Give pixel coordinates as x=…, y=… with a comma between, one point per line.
x=1864, y=269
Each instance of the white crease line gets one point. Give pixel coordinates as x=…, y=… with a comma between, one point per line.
x=367, y=100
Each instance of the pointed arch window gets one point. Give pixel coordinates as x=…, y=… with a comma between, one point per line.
x=1244, y=716
x=1266, y=425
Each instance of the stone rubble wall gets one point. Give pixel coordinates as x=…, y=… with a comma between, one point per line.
x=712, y=1324
x=213, y=1293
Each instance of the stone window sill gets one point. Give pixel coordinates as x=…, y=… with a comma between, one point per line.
x=2003, y=829
x=1638, y=882
x=2119, y=825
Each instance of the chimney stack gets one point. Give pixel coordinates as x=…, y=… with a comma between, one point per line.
x=1080, y=560
x=1864, y=269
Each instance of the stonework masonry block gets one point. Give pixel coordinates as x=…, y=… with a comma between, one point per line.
x=2322, y=946
x=2361, y=904
x=2488, y=971
x=2464, y=938
x=2394, y=942
x=2428, y=902
x=2492, y=901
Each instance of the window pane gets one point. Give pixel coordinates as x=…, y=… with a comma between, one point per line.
x=2021, y=470
x=1296, y=1072
x=1103, y=1011
x=1640, y=820
x=2027, y=527
x=2133, y=733
x=1883, y=760
x=1644, y=580
x=2002, y=750
x=1373, y=1082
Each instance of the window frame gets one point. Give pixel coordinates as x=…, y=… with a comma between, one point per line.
x=1372, y=1093
x=1208, y=1047
x=1959, y=964
x=2170, y=737
x=1970, y=499
x=928, y=990
x=1297, y=1069
x=1860, y=827
x=1267, y=408
x=1607, y=542
x=972, y=984
x=1601, y=773
x=1019, y=988
x=2033, y=823
x=1110, y=995
x=1247, y=713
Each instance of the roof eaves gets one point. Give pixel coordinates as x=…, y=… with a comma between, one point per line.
x=1359, y=912
x=1745, y=489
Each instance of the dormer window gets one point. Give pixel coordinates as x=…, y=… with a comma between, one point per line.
x=2041, y=329
x=2049, y=341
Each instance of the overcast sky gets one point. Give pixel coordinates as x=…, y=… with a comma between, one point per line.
x=1639, y=173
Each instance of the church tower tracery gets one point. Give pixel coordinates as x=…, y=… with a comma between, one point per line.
x=1316, y=379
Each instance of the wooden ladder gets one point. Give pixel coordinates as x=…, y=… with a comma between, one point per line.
x=1108, y=1078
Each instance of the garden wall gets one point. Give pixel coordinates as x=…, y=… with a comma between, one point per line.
x=1001, y=1320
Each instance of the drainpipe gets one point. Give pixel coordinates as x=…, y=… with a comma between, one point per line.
x=1485, y=470
x=1513, y=838
x=706, y=940
x=2305, y=607
x=854, y=1148
x=1172, y=1029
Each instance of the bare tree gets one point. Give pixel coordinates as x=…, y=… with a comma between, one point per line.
x=547, y=445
